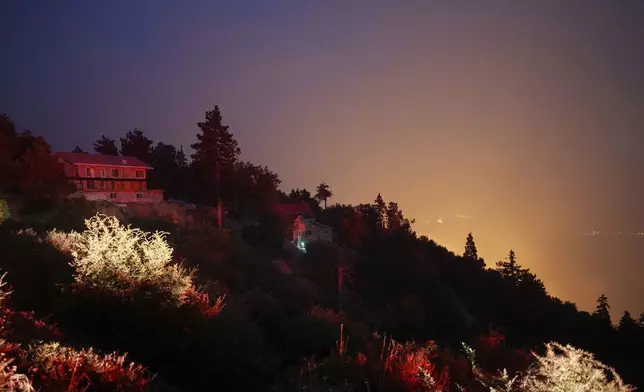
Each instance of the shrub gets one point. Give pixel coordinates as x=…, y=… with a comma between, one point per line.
x=65, y=369
x=36, y=269
x=116, y=258
x=10, y=379
x=566, y=368
x=561, y=369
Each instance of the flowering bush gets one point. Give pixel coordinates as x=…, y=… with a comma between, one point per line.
x=116, y=258
x=566, y=368
x=561, y=369
x=62, y=368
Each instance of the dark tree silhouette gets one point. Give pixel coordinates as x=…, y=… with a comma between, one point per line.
x=216, y=154
x=136, y=144
x=106, y=146
x=470, y=248
x=41, y=175
x=627, y=324
x=323, y=193
x=256, y=190
x=640, y=320
x=8, y=152
x=602, y=311
x=381, y=211
x=298, y=195
x=180, y=158
x=509, y=268
x=78, y=150
x=165, y=174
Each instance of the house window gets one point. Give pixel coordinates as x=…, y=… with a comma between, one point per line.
x=88, y=172
x=115, y=172
x=139, y=196
x=102, y=173
x=139, y=174
x=91, y=184
x=112, y=195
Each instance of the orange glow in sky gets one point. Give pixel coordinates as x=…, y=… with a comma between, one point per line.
x=521, y=122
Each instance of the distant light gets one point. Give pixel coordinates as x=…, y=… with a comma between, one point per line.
x=439, y=220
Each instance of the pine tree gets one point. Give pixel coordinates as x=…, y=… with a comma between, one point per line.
x=395, y=218
x=78, y=150
x=180, y=159
x=136, y=144
x=216, y=154
x=509, y=268
x=106, y=146
x=323, y=193
x=470, y=248
x=602, y=311
x=381, y=211
x=627, y=324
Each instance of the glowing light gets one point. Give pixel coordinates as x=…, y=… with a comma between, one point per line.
x=439, y=220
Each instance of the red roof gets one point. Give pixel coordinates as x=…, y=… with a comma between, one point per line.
x=80, y=158
x=293, y=210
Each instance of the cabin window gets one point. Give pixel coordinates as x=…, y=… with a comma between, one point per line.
x=88, y=172
x=102, y=173
x=91, y=184
x=112, y=195
x=139, y=196
x=139, y=174
x=115, y=172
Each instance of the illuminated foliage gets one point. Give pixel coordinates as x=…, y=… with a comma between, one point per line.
x=562, y=368
x=114, y=257
x=56, y=367
x=566, y=368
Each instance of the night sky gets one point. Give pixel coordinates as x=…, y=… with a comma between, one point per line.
x=522, y=122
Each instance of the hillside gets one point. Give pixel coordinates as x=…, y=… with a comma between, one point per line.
x=210, y=310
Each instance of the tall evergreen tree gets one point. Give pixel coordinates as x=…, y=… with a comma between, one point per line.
x=180, y=158
x=509, y=268
x=470, y=248
x=627, y=324
x=136, y=144
x=164, y=175
x=602, y=310
x=323, y=193
x=106, y=146
x=381, y=211
x=78, y=150
x=216, y=154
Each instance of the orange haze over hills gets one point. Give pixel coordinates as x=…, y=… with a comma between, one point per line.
x=518, y=121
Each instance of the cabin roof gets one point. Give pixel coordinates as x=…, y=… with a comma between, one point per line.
x=80, y=158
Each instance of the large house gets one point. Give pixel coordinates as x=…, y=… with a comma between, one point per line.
x=106, y=177
x=303, y=228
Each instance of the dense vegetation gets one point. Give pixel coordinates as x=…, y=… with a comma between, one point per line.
x=204, y=307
